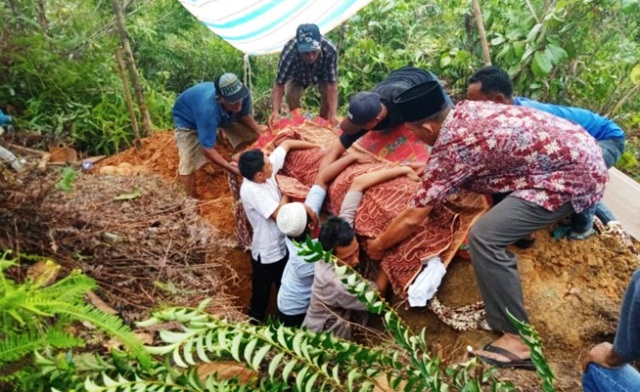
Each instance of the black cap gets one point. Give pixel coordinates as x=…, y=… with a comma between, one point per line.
x=363, y=107
x=421, y=101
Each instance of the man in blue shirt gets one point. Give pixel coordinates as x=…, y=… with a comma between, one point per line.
x=199, y=112
x=494, y=84
x=606, y=367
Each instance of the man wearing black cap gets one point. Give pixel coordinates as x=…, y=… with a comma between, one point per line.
x=375, y=110
x=197, y=114
x=551, y=167
x=308, y=58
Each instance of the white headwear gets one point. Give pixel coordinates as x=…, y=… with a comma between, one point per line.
x=292, y=219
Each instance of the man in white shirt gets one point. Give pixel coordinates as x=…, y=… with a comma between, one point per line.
x=262, y=200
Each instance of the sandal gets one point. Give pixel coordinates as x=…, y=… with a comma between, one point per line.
x=514, y=362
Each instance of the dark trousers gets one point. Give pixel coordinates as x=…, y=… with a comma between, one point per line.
x=291, y=321
x=263, y=276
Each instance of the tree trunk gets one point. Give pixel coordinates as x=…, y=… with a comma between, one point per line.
x=128, y=100
x=42, y=18
x=486, y=57
x=131, y=66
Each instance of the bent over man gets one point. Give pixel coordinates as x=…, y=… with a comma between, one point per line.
x=551, y=167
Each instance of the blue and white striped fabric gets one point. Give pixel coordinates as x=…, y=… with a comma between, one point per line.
x=263, y=26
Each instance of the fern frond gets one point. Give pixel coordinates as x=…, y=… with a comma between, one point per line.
x=293, y=356
x=16, y=345
x=111, y=324
x=72, y=288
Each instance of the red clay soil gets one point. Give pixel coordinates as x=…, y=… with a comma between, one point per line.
x=572, y=289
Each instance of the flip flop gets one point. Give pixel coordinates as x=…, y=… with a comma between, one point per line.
x=514, y=362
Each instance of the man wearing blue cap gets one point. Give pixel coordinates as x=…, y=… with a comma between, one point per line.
x=197, y=114
x=309, y=58
x=374, y=110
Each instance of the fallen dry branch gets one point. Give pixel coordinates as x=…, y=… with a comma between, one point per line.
x=140, y=238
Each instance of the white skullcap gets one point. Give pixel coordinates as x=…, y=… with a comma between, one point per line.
x=292, y=219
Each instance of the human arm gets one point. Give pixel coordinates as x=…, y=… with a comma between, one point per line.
x=284, y=200
x=217, y=159
x=289, y=145
x=332, y=102
x=399, y=229
x=604, y=355
x=626, y=344
x=327, y=174
x=276, y=101
x=367, y=180
x=250, y=122
x=333, y=152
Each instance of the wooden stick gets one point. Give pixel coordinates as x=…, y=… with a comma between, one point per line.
x=131, y=66
x=486, y=57
x=128, y=100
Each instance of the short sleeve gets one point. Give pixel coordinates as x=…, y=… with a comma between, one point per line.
x=207, y=127
x=350, y=206
x=277, y=158
x=246, y=106
x=255, y=198
x=315, y=198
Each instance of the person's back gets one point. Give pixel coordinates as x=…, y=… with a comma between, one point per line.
x=600, y=127
x=543, y=163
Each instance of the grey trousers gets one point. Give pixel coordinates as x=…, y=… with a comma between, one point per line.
x=496, y=267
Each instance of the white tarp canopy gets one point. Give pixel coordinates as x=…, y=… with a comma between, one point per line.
x=264, y=26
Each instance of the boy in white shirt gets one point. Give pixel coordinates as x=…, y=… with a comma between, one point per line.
x=261, y=200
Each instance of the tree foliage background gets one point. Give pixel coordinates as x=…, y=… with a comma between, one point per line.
x=60, y=76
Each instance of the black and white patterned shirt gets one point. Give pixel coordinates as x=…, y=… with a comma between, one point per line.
x=324, y=69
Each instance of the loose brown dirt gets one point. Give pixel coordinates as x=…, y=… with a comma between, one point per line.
x=572, y=289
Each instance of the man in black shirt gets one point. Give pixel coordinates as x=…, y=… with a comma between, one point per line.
x=375, y=110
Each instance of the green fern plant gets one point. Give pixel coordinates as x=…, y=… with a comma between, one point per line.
x=35, y=317
x=298, y=359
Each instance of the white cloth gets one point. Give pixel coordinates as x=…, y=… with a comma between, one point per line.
x=292, y=219
x=260, y=200
x=295, y=287
x=264, y=26
x=426, y=284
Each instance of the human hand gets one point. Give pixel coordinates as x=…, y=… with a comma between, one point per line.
x=417, y=167
x=233, y=168
x=601, y=354
x=335, y=121
x=362, y=158
x=274, y=117
x=373, y=249
x=408, y=171
x=262, y=129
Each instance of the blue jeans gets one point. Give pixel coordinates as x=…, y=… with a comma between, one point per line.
x=612, y=150
x=602, y=379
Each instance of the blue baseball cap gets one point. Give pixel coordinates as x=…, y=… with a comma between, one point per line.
x=308, y=38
